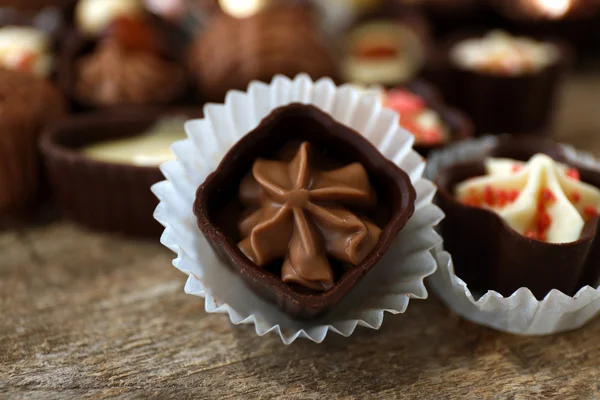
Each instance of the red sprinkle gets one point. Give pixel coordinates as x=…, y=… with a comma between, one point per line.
x=575, y=197
x=488, y=195
x=544, y=222
x=501, y=197
x=590, y=211
x=513, y=194
x=548, y=196
x=516, y=168
x=573, y=173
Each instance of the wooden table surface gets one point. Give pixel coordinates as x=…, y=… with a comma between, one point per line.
x=89, y=315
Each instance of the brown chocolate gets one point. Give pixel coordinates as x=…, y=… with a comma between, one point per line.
x=101, y=195
x=496, y=103
x=114, y=75
x=27, y=106
x=489, y=255
x=219, y=209
x=300, y=214
x=232, y=52
x=135, y=63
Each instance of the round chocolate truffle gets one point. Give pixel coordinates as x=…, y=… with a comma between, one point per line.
x=232, y=52
x=27, y=105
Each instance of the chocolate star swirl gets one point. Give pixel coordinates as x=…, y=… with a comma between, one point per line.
x=300, y=214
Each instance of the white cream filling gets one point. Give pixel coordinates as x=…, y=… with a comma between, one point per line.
x=514, y=55
x=539, y=173
x=148, y=149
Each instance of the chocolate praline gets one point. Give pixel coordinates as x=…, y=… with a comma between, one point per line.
x=217, y=206
x=168, y=54
x=519, y=104
x=459, y=124
x=102, y=195
x=489, y=255
x=409, y=55
x=281, y=39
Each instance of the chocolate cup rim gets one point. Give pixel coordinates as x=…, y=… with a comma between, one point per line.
x=462, y=129
x=52, y=146
x=492, y=216
x=319, y=300
x=564, y=60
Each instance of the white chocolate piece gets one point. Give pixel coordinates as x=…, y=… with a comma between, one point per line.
x=539, y=173
x=387, y=71
x=25, y=49
x=148, y=149
x=94, y=16
x=505, y=53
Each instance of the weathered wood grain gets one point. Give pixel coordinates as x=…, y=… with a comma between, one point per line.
x=86, y=315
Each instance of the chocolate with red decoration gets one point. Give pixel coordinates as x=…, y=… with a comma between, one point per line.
x=489, y=254
x=418, y=97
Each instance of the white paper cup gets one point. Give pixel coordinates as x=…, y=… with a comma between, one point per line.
x=520, y=313
x=389, y=286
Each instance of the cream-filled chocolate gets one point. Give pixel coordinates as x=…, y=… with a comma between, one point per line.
x=423, y=122
x=305, y=217
x=151, y=148
x=540, y=199
x=25, y=49
x=383, y=52
x=501, y=53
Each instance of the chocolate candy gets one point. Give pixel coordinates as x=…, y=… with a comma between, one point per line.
x=232, y=52
x=260, y=216
x=496, y=102
x=490, y=255
x=300, y=214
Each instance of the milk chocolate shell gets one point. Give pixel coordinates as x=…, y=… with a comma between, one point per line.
x=489, y=255
x=101, y=195
x=459, y=124
x=218, y=208
x=522, y=104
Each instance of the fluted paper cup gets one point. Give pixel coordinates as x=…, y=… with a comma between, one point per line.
x=521, y=312
x=388, y=287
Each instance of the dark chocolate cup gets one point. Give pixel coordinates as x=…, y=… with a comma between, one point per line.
x=100, y=195
x=460, y=125
x=498, y=104
x=216, y=198
x=478, y=238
